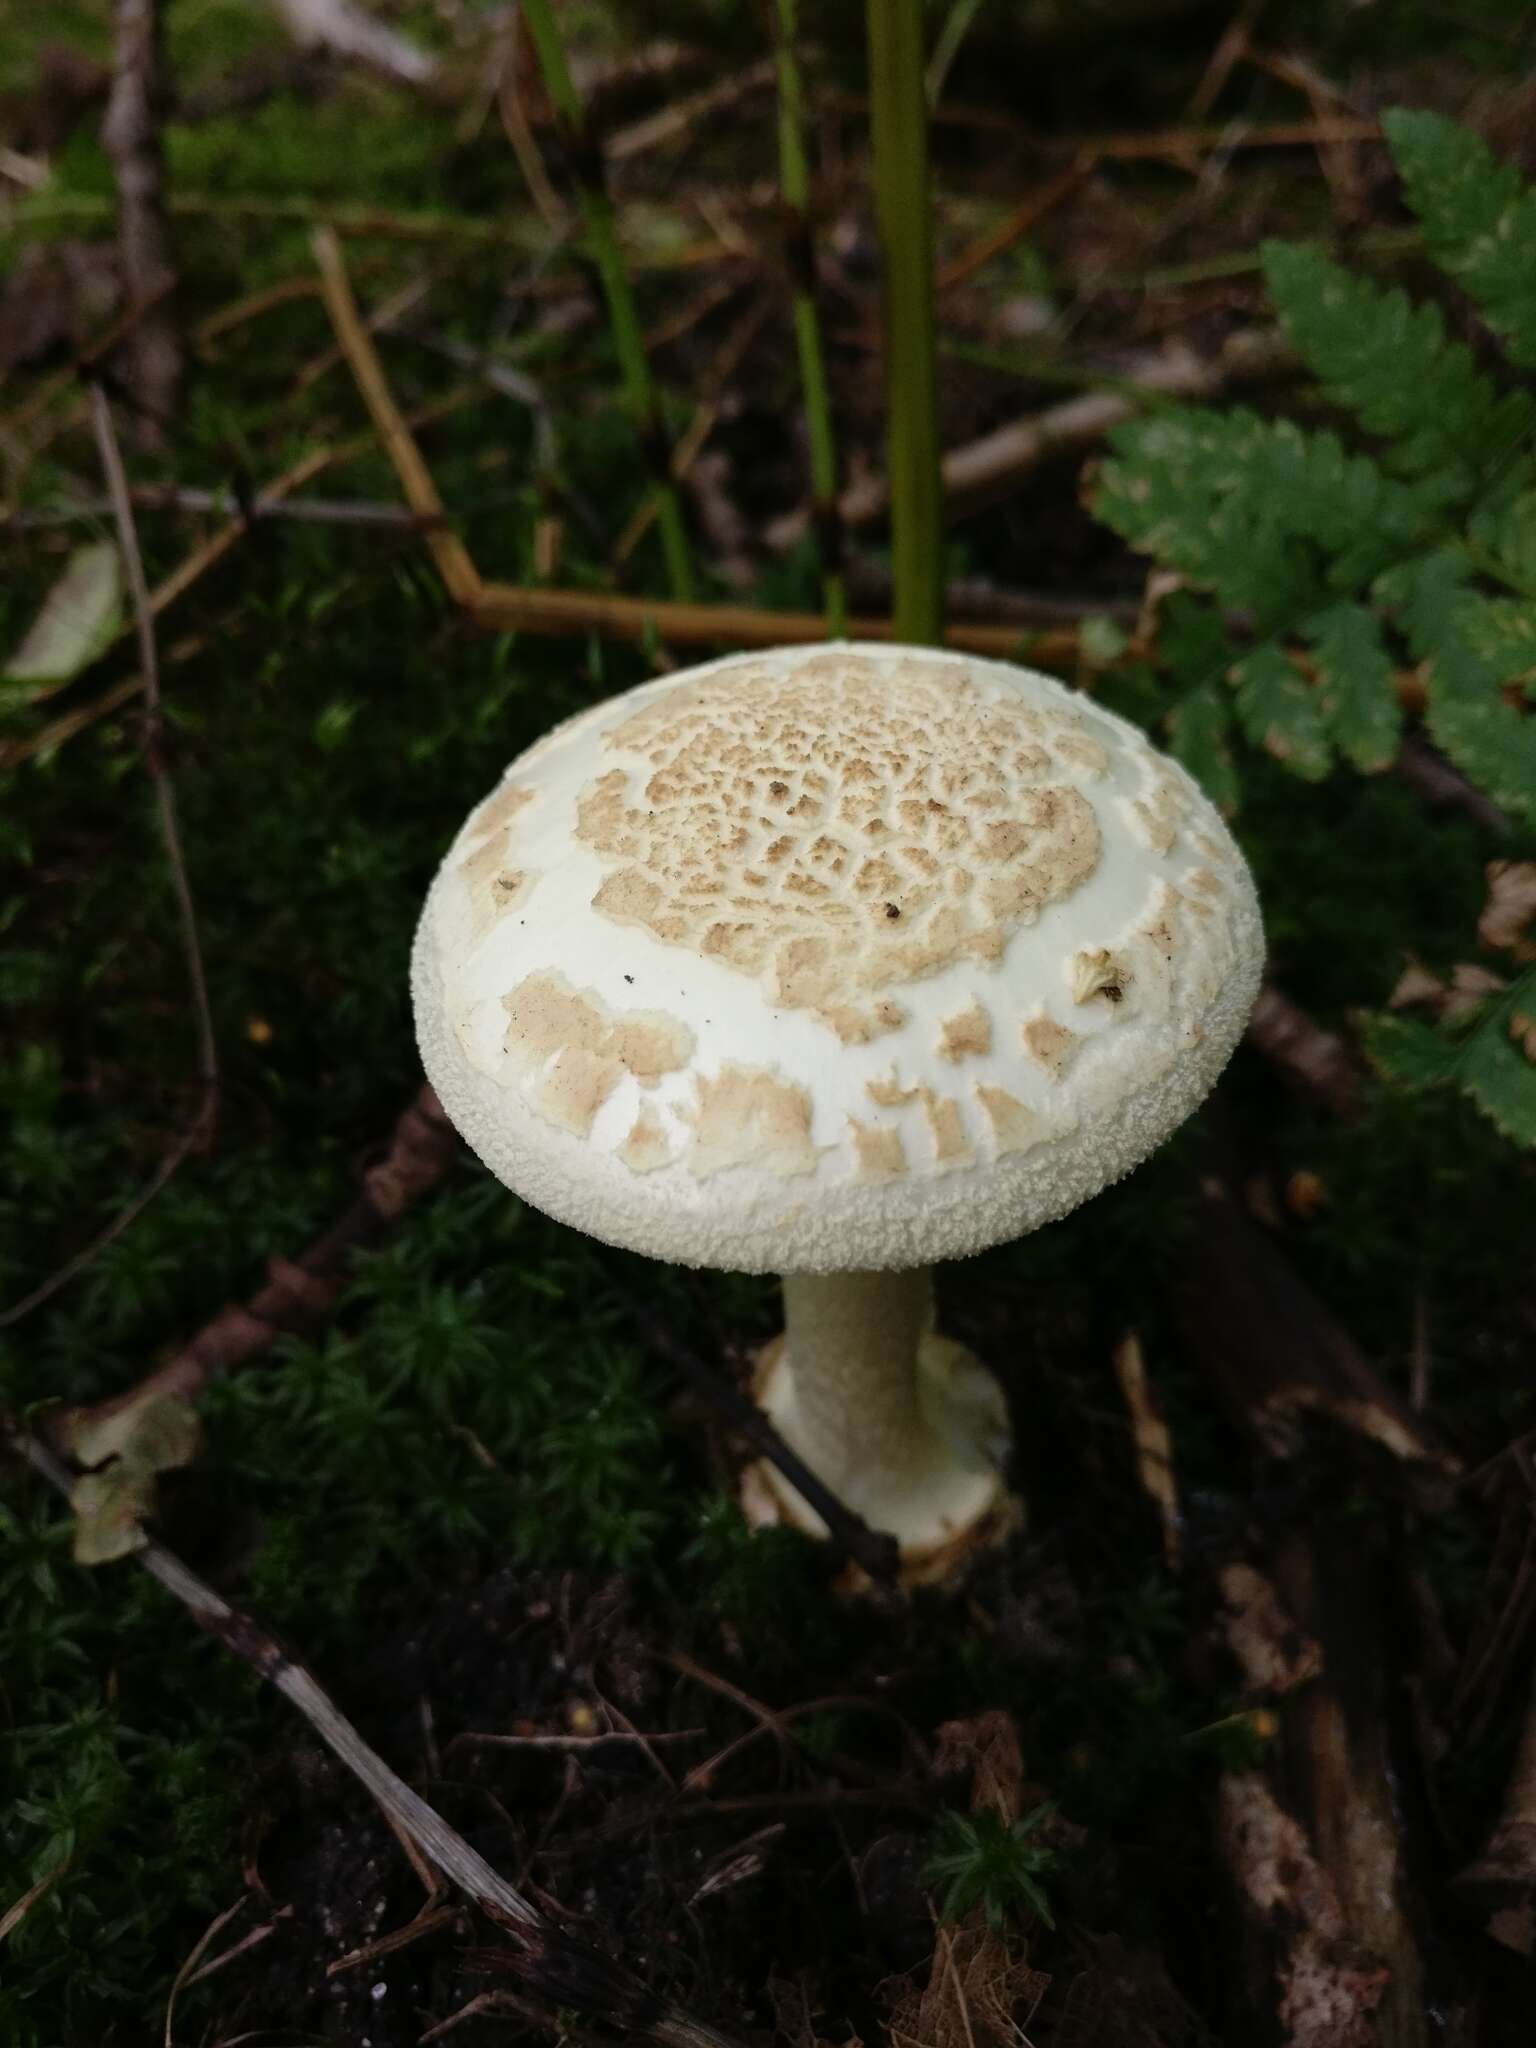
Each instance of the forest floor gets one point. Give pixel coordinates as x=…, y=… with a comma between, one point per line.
x=1212, y=1751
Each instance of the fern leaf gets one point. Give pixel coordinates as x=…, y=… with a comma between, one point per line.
x=1356, y=686
x=1511, y=534
x=1487, y=1060
x=1468, y=718
x=1479, y=221
x=1198, y=726
x=1268, y=516
x=1501, y=632
x=1279, y=711
x=1390, y=364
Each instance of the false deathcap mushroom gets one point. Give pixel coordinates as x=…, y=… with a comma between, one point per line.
x=834, y=962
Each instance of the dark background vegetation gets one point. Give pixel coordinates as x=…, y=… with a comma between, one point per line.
x=476, y=1498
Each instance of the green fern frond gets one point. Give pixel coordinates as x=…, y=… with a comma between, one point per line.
x=1357, y=692
x=1280, y=711
x=1265, y=514
x=1389, y=362
x=1439, y=613
x=1479, y=220
x=1485, y=1060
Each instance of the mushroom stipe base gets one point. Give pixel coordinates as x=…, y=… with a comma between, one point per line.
x=942, y=1494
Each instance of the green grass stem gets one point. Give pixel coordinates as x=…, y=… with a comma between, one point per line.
x=795, y=184
x=899, y=120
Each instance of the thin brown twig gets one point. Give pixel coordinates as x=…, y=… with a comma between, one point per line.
x=998, y=459
x=191, y=498
x=130, y=137
x=67, y=376
x=553, y=1964
x=199, y=1125
x=459, y=574
x=505, y=607
x=299, y=1292
x=1026, y=215
x=208, y=553
x=18, y=1910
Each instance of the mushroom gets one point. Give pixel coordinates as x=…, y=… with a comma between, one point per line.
x=834, y=962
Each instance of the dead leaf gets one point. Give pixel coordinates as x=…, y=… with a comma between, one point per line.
x=160, y=1433
x=1151, y=1441
x=1273, y=1654
x=111, y=1507
x=1511, y=907
x=987, y=1746
x=978, y=1994
x=125, y=1449
x=79, y=617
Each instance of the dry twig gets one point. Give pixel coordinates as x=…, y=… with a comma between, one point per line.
x=1320, y=1063
x=556, y=1968
x=130, y=136
x=299, y=1293
x=199, y=1125
x=999, y=459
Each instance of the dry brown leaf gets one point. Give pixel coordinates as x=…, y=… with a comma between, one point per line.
x=161, y=1433
x=978, y=1994
x=1152, y=1443
x=126, y=1449
x=1272, y=1653
x=986, y=1745
x=1510, y=910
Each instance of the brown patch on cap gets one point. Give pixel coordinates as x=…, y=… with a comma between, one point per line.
x=844, y=827
x=578, y=1049
x=1074, y=744
x=1015, y=1127
x=858, y=1026
x=749, y=1117
x=499, y=810
x=1157, y=814
x=967, y=1032
x=951, y=1147
x=877, y=1150
x=647, y=1145
x=1049, y=1043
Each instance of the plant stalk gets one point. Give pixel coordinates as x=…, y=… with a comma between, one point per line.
x=899, y=124
x=795, y=185
x=607, y=258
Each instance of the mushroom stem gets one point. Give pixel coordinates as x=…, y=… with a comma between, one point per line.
x=851, y=1342
x=906, y=1427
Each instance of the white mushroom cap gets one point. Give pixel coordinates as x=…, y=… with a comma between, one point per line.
x=836, y=958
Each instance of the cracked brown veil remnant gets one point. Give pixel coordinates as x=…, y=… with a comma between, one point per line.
x=130, y=135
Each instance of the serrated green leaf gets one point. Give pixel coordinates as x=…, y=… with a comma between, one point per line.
x=1267, y=515
x=1198, y=728
x=1501, y=631
x=78, y=620
x=1468, y=719
x=1279, y=711
x=1509, y=533
x=1389, y=362
x=1484, y=1059
x=1479, y=221
x=1357, y=689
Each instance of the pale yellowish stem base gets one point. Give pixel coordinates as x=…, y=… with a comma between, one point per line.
x=907, y=1428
